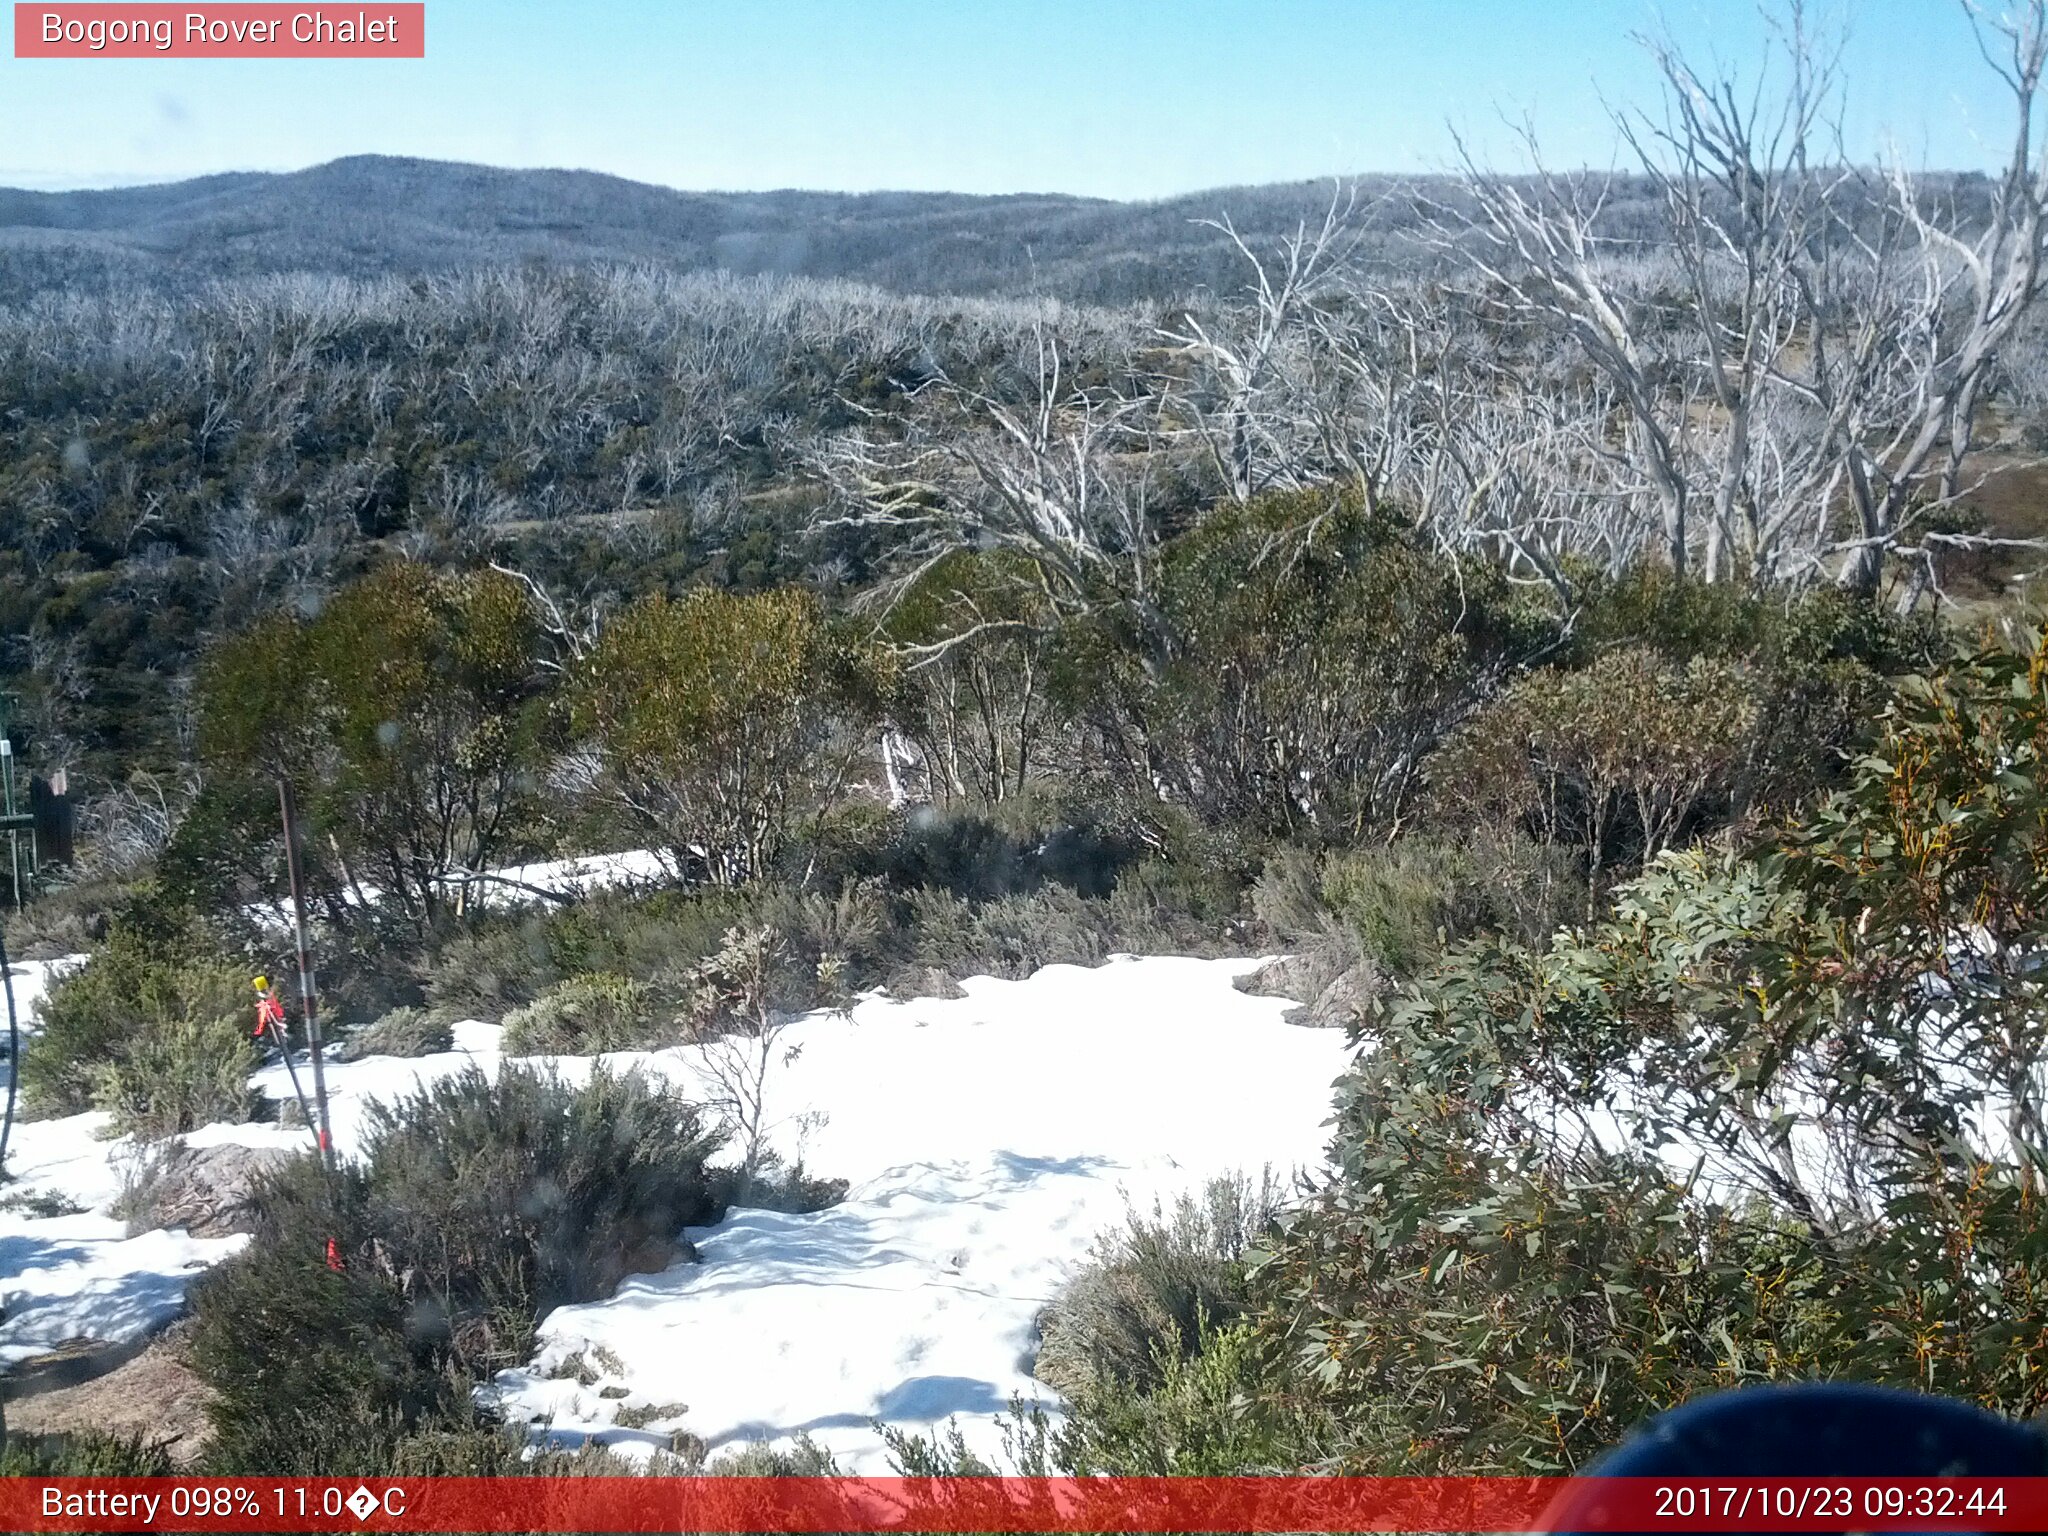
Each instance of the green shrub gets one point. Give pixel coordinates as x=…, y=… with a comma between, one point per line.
x=508, y=1197
x=1288, y=899
x=505, y=963
x=494, y=968
x=1396, y=905
x=1822, y=660
x=82, y=1453
x=812, y=925
x=773, y=1185
x=937, y=929
x=159, y=992
x=1616, y=762
x=63, y=920
x=1493, y=1284
x=1403, y=899
x=1209, y=1411
x=1017, y=935
x=1526, y=889
x=178, y=1075
x=850, y=841
x=1154, y=908
x=1151, y=1287
x=372, y=968
x=1007, y=850
x=655, y=938
x=803, y=1457
x=485, y=1448
x=401, y=1032
x=481, y=1450
x=584, y=1015
x=1387, y=907
x=312, y=1369
x=1199, y=901
x=1319, y=654
x=722, y=720
x=480, y=1205
x=41, y=1204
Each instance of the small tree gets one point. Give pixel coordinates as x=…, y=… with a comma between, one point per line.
x=402, y=715
x=719, y=721
x=736, y=1013
x=1320, y=654
x=971, y=637
x=1617, y=760
x=1778, y=1114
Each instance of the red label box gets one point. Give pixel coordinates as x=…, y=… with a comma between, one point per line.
x=110, y=30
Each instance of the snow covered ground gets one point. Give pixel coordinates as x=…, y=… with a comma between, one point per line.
x=76, y=1273
x=578, y=876
x=988, y=1140
x=518, y=885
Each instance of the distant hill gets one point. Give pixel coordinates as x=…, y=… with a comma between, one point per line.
x=376, y=215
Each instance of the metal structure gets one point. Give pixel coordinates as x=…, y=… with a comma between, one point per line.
x=45, y=825
x=306, y=997
x=39, y=832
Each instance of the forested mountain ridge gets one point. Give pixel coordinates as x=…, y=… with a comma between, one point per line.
x=373, y=215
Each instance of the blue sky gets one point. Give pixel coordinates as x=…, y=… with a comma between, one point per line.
x=1114, y=98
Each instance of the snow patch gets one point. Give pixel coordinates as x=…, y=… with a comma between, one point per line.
x=83, y=1277
x=988, y=1140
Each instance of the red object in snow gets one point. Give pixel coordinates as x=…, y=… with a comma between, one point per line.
x=269, y=1015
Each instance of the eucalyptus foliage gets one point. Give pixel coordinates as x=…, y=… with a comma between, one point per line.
x=1777, y=1114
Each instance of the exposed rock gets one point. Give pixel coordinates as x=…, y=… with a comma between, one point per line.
x=924, y=981
x=209, y=1191
x=1347, y=1001
x=1333, y=986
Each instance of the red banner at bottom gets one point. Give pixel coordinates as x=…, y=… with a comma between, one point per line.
x=1150, y=1505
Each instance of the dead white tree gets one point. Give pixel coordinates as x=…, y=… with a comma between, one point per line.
x=1977, y=283
x=1060, y=476
x=1796, y=343
x=1244, y=366
x=572, y=629
x=1535, y=243
x=1327, y=372
x=1745, y=210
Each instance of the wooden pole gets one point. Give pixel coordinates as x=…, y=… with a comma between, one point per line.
x=306, y=998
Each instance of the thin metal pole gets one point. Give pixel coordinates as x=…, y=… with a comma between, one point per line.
x=13, y=838
x=13, y=1055
x=291, y=858
x=284, y=1046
